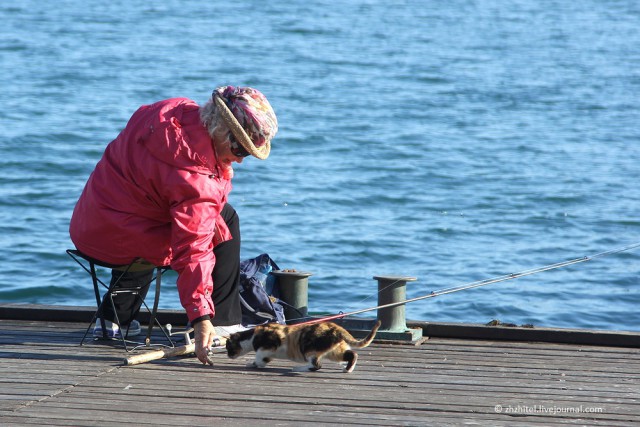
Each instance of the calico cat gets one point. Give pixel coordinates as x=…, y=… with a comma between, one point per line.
x=299, y=343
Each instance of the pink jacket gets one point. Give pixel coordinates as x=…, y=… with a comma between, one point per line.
x=157, y=194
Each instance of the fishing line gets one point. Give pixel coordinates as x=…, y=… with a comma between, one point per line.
x=484, y=282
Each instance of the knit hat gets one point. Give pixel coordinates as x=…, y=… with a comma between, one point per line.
x=249, y=116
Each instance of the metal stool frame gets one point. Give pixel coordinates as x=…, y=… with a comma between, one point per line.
x=111, y=290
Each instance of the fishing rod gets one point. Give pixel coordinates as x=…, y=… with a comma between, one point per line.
x=484, y=282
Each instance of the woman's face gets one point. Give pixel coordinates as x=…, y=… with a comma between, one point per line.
x=225, y=157
x=223, y=151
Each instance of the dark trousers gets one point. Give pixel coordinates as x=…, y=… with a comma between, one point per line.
x=226, y=275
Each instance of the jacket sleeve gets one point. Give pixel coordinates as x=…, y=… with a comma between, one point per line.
x=195, y=211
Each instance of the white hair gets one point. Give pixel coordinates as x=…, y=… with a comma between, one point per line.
x=212, y=120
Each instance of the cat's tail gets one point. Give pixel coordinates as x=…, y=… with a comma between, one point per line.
x=366, y=340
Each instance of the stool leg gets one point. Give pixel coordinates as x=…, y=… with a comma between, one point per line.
x=154, y=312
x=108, y=297
x=153, y=320
x=94, y=280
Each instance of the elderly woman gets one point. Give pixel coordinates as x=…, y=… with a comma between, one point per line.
x=160, y=193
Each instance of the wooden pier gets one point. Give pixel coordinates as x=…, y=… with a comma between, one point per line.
x=46, y=378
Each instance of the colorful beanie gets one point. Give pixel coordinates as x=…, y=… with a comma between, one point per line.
x=249, y=116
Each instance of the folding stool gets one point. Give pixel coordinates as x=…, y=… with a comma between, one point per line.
x=112, y=290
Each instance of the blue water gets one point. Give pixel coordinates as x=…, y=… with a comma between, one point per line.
x=451, y=141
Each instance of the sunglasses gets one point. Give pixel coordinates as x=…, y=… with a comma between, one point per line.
x=236, y=149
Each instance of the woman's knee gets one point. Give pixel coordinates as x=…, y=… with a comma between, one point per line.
x=231, y=218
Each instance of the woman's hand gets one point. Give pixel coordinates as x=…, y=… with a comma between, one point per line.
x=204, y=334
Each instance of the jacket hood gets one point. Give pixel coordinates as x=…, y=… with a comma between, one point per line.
x=172, y=132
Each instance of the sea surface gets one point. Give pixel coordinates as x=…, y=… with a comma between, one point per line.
x=448, y=141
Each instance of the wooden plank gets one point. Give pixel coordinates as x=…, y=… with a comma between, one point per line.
x=252, y=411
x=548, y=335
x=297, y=410
x=375, y=399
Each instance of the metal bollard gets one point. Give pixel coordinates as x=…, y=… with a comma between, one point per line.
x=392, y=289
x=294, y=292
